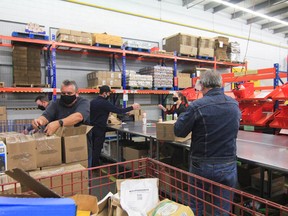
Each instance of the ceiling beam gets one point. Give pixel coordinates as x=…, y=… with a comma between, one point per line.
x=272, y=24
x=222, y=7
x=256, y=8
x=210, y=5
x=272, y=14
x=280, y=30
x=186, y=2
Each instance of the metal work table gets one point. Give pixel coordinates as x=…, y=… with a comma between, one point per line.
x=270, y=152
x=265, y=150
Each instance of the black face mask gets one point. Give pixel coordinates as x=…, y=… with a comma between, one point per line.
x=67, y=99
x=41, y=107
x=175, y=99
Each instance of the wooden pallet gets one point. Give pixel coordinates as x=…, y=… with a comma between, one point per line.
x=30, y=85
x=186, y=55
x=162, y=52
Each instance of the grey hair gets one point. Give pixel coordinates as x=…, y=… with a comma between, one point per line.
x=211, y=79
x=70, y=82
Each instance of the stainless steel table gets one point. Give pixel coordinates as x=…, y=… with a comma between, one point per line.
x=270, y=152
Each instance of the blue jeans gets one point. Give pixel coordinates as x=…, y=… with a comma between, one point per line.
x=224, y=173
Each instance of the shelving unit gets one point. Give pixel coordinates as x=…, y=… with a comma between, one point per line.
x=53, y=47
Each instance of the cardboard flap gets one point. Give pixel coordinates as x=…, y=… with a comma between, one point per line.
x=28, y=181
x=72, y=131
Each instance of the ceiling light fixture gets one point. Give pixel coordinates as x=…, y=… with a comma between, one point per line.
x=251, y=12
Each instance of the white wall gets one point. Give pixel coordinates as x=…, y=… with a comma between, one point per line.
x=56, y=13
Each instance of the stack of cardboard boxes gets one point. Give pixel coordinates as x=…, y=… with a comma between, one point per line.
x=162, y=76
x=221, y=46
x=72, y=36
x=234, y=51
x=182, y=43
x=206, y=47
x=107, y=39
x=20, y=65
x=99, y=78
x=3, y=113
x=26, y=65
x=135, y=80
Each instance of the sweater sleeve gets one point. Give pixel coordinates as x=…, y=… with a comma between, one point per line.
x=114, y=109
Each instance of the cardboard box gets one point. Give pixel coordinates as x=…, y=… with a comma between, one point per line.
x=220, y=41
x=110, y=149
x=74, y=143
x=181, y=39
x=165, y=131
x=48, y=151
x=107, y=39
x=63, y=31
x=184, y=80
x=3, y=117
x=21, y=151
x=83, y=40
x=134, y=152
x=204, y=42
x=86, y=34
x=3, y=110
x=206, y=52
x=277, y=184
x=62, y=181
x=75, y=33
x=66, y=38
x=245, y=171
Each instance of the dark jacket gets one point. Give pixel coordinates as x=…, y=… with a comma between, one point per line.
x=99, y=112
x=182, y=108
x=214, y=121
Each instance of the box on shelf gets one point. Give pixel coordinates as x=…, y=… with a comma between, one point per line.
x=204, y=42
x=165, y=131
x=3, y=113
x=63, y=31
x=75, y=33
x=221, y=42
x=206, y=52
x=83, y=40
x=182, y=44
x=74, y=143
x=66, y=38
x=184, y=80
x=107, y=39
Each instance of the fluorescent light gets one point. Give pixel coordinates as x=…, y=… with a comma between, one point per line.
x=251, y=12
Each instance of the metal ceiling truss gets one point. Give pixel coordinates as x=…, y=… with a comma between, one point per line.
x=277, y=9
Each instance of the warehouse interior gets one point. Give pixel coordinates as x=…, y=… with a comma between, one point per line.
x=130, y=42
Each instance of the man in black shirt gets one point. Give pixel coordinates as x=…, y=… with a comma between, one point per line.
x=69, y=110
x=100, y=108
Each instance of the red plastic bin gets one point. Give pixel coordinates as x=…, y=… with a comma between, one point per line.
x=251, y=114
x=246, y=92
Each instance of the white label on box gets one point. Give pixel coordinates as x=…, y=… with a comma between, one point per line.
x=221, y=44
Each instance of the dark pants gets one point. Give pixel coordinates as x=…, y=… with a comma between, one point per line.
x=98, y=138
x=224, y=173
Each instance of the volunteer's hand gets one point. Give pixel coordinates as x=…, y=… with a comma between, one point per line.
x=136, y=106
x=51, y=128
x=36, y=123
x=162, y=107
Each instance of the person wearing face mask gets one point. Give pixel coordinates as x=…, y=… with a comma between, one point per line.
x=69, y=110
x=180, y=104
x=214, y=121
x=42, y=102
x=100, y=107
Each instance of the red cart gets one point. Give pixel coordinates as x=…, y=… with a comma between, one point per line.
x=173, y=184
